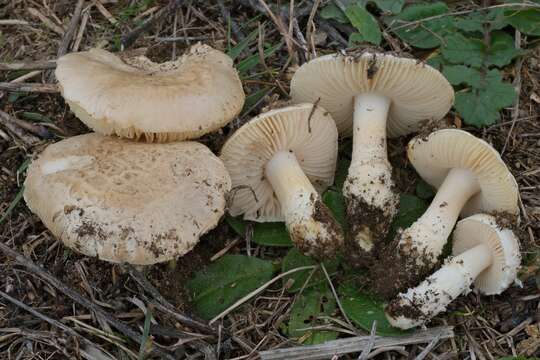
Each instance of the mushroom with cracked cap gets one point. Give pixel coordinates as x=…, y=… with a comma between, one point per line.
x=369, y=94
x=126, y=201
x=471, y=177
x=483, y=253
x=279, y=162
x=136, y=98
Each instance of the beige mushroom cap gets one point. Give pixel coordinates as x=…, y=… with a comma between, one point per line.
x=246, y=153
x=417, y=91
x=125, y=201
x=506, y=258
x=435, y=155
x=183, y=99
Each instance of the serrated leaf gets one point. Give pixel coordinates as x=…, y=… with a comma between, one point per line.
x=267, y=234
x=493, y=19
x=335, y=201
x=501, y=50
x=363, y=309
x=426, y=34
x=331, y=11
x=461, y=74
x=526, y=21
x=480, y=106
x=225, y=281
x=365, y=23
x=390, y=6
x=294, y=259
x=463, y=50
x=424, y=190
x=410, y=209
x=307, y=311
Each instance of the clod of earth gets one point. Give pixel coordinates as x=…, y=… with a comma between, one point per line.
x=471, y=178
x=280, y=162
x=483, y=253
x=368, y=94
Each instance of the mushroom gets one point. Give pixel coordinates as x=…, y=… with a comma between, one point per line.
x=369, y=94
x=137, y=98
x=126, y=201
x=484, y=253
x=471, y=177
x=279, y=162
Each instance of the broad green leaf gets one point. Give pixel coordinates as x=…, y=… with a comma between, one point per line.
x=436, y=61
x=331, y=11
x=365, y=23
x=363, y=309
x=480, y=21
x=294, y=259
x=426, y=34
x=501, y=50
x=461, y=74
x=335, y=201
x=390, y=6
x=526, y=21
x=410, y=209
x=225, y=281
x=424, y=190
x=242, y=45
x=267, y=234
x=463, y=50
x=479, y=106
x=355, y=39
x=250, y=62
x=310, y=306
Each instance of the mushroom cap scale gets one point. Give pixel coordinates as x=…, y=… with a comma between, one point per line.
x=125, y=201
x=435, y=155
x=137, y=98
x=506, y=258
x=307, y=131
x=417, y=91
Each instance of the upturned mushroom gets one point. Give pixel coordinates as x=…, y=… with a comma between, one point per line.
x=279, y=162
x=369, y=94
x=126, y=201
x=471, y=177
x=483, y=253
x=137, y=98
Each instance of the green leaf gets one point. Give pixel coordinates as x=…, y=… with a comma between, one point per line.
x=480, y=106
x=331, y=11
x=294, y=259
x=463, y=50
x=32, y=116
x=436, y=61
x=426, y=34
x=12, y=205
x=335, y=201
x=307, y=311
x=459, y=74
x=363, y=309
x=410, y=209
x=526, y=21
x=493, y=19
x=365, y=23
x=424, y=190
x=242, y=45
x=267, y=234
x=146, y=340
x=390, y=6
x=254, y=97
x=250, y=62
x=501, y=50
x=225, y=281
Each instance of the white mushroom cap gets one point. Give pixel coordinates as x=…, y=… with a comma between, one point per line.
x=183, y=99
x=249, y=149
x=506, y=258
x=435, y=155
x=125, y=201
x=417, y=91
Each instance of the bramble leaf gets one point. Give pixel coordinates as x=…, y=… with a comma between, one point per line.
x=526, y=21
x=390, y=6
x=501, y=50
x=331, y=11
x=365, y=23
x=479, y=21
x=463, y=50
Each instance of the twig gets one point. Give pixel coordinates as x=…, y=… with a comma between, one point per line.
x=30, y=87
x=336, y=296
x=313, y=108
x=183, y=38
x=364, y=355
x=26, y=76
x=47, y=22
x=223, y=251
x=354, y=344
x=105, y=12
x=257, y=291
x=128, y=39
x=515, y=112
x=75, y=296
x=428, y=348
x=13, y=22
x=71, y=30
x=55, y=323
x=34, y=65
x=11, y=124
x=399, y=349
x=38, y=130
x=82, y=28
x=311, y=27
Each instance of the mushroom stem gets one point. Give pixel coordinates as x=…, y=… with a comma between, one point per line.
x=371, y=201
x=427, y=235
x=433, y=295
x=311, y=225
